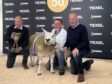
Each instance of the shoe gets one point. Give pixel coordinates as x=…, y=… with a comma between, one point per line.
x=88, y=64
x=61, y=72
x=25, y=66
x=81, y=78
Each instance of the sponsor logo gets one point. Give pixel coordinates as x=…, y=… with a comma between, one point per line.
x=24, y=11
x=23, y=3
x=76, y=0
x=111, y=33
x=57, y=5
x=40, y=10
x=96, y=51
x=80, y=17
x=95, y=0
x=25, y=18
x=9, y=19
x=7, y=26
x=6, y=47
x=9, y=11
x=40, y=2
x=97, y=42
x=96, y=25
x=96, y=34
x=96, y=16
x=40, y=18
x=9, y=4
x=38, y=25
x=111, y=51
x=57, y=17
x=76, y=8
x=27, y=25
x=96, y=7
x=111, y=15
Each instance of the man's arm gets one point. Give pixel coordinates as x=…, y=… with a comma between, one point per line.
x=7, y=36
x=85, y=42
x=26, y=39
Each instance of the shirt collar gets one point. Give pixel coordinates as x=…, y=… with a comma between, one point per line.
x=75, y=25
x=21, y=27
x=57, y=32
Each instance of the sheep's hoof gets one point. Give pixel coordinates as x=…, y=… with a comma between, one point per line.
x=39, y=74
x=32, y=65
x=53, y=72
x=37, y=63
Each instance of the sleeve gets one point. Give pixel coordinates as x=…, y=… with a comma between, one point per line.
x=7, y=36
x=66, y=43
x=26, y=39
x=84, y=36
x=61, y=41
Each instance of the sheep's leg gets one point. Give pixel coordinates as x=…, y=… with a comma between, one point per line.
x=51, y=63
x=37, y=62
x=32, y=64
x=39, y=72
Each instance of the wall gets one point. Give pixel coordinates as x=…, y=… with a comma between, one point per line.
x=1, y=28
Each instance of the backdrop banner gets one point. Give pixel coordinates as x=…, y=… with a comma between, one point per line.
x=96, y=15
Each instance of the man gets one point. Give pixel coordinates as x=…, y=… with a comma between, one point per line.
x=59, y=59
x=22, y=42
x=77, y=41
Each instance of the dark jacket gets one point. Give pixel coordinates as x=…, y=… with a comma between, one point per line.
x=24, y=39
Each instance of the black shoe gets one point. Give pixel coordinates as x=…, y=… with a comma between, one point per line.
x=87, y=64
x=25, y=66
x=61, y=72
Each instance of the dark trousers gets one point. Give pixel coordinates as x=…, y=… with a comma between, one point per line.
x=11, y=57
x=76, y=64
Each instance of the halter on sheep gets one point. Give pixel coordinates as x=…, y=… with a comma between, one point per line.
x=41, y=45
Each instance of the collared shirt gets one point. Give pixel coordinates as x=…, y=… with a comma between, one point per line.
x=21, y=27
x=75, y=25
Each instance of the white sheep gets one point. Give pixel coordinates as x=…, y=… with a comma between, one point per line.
x=43, y=44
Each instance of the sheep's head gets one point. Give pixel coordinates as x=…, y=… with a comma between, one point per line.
x=50, y=37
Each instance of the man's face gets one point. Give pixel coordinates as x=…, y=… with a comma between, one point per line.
x=73, y=20
x=18, y=22
x=57, y=24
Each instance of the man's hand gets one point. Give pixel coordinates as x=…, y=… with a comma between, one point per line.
x=75, y=52
x=65, y=49
x=19, y=49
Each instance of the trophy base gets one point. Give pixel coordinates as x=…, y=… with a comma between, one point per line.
x=14, y=50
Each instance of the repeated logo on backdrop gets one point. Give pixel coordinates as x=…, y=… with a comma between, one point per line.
x=96, y=15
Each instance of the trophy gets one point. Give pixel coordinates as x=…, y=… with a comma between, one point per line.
x=15, y=36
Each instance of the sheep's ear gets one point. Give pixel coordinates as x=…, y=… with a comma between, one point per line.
x=44, y=30
x=53, y=31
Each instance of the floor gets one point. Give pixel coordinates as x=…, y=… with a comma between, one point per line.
x=100, y=73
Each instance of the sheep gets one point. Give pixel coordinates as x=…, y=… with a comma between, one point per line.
x=43, y=44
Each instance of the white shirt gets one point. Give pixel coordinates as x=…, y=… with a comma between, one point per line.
x=75, y=25
x=21, y=27
x=61, y=38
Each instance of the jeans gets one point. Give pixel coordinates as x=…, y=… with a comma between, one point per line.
x=59, y=61
x=76, y=64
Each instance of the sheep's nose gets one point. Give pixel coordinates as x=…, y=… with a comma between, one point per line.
x=47, y=40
